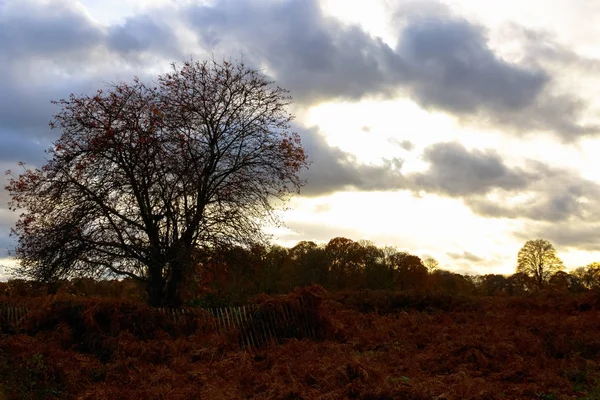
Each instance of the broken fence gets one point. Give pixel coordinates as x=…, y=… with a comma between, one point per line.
x=256, y=324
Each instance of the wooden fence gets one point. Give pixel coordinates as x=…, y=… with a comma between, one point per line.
x=11, y=317
x=255, y=324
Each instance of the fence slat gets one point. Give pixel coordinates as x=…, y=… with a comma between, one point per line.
x=257, y=324
x=247, y=323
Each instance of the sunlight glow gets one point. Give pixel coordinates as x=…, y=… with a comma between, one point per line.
x=372, y=16
x=405, y=221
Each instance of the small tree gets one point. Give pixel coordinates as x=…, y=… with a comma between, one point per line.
x=142, y=176
x=538, y=259
x=431, y=264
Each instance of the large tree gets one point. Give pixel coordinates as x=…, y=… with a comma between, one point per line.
x=144, y=175
x=538, y=259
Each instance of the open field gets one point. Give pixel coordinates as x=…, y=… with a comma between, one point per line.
x=368, y=345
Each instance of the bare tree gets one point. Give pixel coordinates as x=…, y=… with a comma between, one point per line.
x=538, y=259
x=143, y=175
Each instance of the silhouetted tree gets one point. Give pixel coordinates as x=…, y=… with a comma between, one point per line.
x=346, y=263
x=493, y=284
x=378, y=273
x=538, y=259
x=408, y=271
x=451, y=282
x=306, y=264
x=560, y=281
x=520, y=284
x=141, y=176
x=273, y=265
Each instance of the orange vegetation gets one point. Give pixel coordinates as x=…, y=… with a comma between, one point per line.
x=371, y=345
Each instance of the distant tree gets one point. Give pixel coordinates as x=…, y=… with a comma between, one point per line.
x=431, y=264
x=589, y=276
x=378, y=273
x=306, y=264
x=346, y=263
x=560, y=281
x=520, y=284
x=141, y=176
x=493, y=284
x=538, y=259
x=451, y=282
x=272, y=268
x=408, y=271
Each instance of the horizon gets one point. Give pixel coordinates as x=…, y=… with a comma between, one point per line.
x=447, y=129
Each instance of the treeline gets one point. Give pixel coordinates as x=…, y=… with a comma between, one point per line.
x=232, y=275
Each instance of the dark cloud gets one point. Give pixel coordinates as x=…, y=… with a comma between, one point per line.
x=15, y=148
x=541, y=47
x=51, y=49
x=335, y=170
x=566, y=234
x=453, y=68
x=554, y=194
x=316, y=57
x=454, y=171
x=493, y=189
x=51, y=28
x=142, y=34
x=443, y=61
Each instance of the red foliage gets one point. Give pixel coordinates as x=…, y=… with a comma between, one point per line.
x=415, y=347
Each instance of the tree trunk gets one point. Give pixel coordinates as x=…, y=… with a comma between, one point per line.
x=172, y=295
x=155, y=288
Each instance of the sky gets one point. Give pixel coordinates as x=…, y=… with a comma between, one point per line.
x=455, y=129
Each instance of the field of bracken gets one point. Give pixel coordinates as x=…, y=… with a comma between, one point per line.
x=367, y=345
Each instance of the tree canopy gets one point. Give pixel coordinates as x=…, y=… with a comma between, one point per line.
x=144, y=175
x=538, y=259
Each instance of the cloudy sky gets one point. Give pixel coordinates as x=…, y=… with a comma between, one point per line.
x=456, y=129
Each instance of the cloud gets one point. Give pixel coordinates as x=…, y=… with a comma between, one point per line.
x=566, y=234
x=465, y=255
x=141, y=34
x=316, y=57
x=493, y=189
x=16, y=148
x=334, y=170
x=50, y=28
x=453, y=68
x=552, y=194
x=51, y=49
x=404, y=144
x=441, y=61
x=454, y=171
